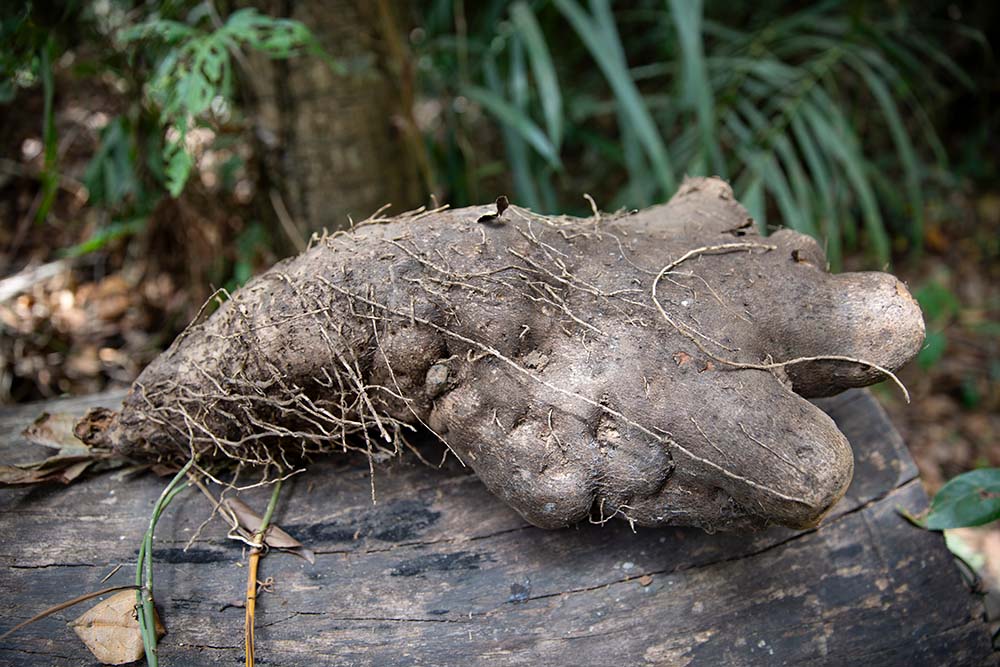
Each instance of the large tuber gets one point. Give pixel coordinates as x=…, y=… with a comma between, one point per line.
x=653, y=366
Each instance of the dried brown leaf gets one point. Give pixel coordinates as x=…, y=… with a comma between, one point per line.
x=70, y=473
x=56, y=431
x=57, y=463
x=53, y=469
x=73, y=457
x=275, y=537
x=110, y=630
x=15, y=475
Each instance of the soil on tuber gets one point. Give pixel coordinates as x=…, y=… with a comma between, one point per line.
x=652, y=365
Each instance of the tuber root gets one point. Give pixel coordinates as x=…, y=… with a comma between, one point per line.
x=653, y=366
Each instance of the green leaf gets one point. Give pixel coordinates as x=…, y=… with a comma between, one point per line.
x=971, y=499
x=841, y=142
x=116, y=230
x=821, y=176
x=687, y=15
x=111, y=174
x=170, y=32
x=516, y=120
x=517, y=149
x=937, y=301
x=763, y=164
x=178, y=167
x=542, y=69
x=935, y=345
x=795, y=208
x=600, y=36
x=904, y=148
x=279, y=38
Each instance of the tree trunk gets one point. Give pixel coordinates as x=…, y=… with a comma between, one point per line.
x=340, y=144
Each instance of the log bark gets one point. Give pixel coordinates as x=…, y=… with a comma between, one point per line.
x=440, y=572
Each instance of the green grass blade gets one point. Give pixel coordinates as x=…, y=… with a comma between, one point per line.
x=762, y=163
x=835, y=136
x=50, y=169
x=542, y=68
x=904, y=148
x=902, y=87
x=687, y=16
x=518, y=155
x=638, y=192
x=752, y=197
x=823, y=180
x=516, y=120
x=517, y=149
x=601, y=38
x=774, y=136
x=930, y=51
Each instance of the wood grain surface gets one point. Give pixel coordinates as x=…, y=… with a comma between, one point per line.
x=439, y=572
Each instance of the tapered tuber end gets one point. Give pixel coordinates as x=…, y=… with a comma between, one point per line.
x=97, y=428
x=868, y=320
x=830, y=486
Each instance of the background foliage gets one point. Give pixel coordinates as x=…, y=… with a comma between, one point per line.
x=819, y=113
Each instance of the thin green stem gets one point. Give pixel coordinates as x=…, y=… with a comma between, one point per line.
x=271, y=504
x=144, y=568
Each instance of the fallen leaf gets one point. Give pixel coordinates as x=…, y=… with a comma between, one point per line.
x=15, y=475
x=73, y=457
x=110, y=630
x=645, y=580
x=275, y=536
x=56, y=431
x=71, y=472
x=55, y=469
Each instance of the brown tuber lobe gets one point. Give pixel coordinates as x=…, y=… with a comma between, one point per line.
x=539, y=351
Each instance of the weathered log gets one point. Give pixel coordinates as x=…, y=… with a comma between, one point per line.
x=441, y=572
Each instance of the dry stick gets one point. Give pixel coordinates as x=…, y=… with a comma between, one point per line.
x=730, y=247
x=258, y=544
x=65, y=605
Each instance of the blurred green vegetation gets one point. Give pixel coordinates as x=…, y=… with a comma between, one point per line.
x=174, y=63
x=821, y=115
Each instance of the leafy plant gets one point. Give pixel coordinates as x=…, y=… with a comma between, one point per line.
x=816, y=112
x=176, y=65
x=30, y=48
x=193, y=76
x=971, y=499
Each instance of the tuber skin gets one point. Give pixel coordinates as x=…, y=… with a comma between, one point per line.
x=539, y=351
